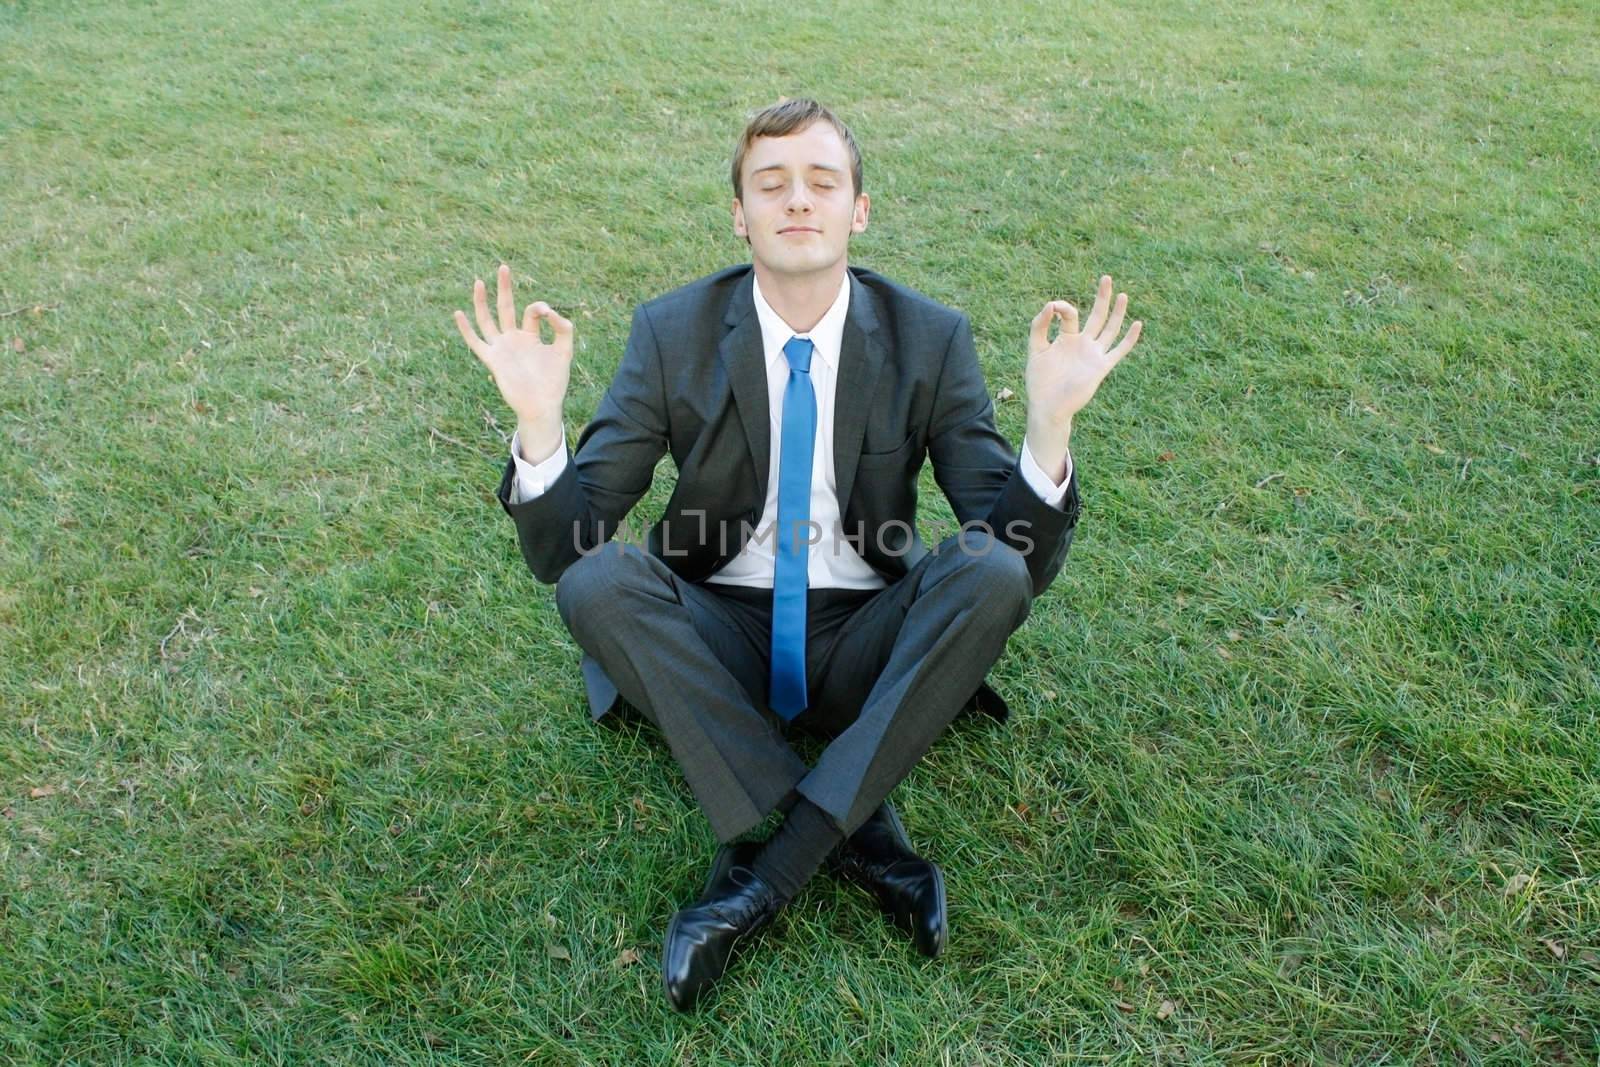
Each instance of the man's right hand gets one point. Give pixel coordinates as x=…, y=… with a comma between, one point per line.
x=531, y=375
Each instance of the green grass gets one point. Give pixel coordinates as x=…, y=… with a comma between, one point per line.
x=1305, y=737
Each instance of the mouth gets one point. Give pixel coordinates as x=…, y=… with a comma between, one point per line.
x=796, y=230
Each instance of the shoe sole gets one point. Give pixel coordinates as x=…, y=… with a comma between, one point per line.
x=932, y=951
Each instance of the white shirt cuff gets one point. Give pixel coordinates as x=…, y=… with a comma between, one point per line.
x=534, y=478
x=1048, y=491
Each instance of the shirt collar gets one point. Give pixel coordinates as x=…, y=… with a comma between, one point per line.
x=826, y=336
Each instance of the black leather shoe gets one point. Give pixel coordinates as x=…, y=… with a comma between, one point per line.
x=736, y=903
x=743, y=853
x=909, y=889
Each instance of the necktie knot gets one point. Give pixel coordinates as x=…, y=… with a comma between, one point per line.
x=798, y=350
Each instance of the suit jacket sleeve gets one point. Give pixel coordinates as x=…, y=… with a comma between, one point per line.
x=610, y=470
x=980, y=474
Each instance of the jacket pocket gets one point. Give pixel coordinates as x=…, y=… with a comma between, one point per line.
x=894, y=456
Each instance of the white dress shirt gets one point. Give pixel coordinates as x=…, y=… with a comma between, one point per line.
x=832, y=562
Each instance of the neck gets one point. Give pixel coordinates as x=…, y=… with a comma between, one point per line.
x=801, y=299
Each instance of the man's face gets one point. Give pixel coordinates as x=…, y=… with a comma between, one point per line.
x=798, y=209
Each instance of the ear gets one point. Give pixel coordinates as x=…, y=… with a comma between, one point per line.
x=858, y=222
x=738, y=219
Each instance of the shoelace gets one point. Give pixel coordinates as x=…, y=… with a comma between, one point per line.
x=852, y=860
x=750, y=903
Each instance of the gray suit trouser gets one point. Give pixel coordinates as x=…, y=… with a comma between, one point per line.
x=887, y=670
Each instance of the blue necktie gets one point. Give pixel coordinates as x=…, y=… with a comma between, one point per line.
x=788, y=688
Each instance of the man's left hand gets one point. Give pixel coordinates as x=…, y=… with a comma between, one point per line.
x=1063, y=374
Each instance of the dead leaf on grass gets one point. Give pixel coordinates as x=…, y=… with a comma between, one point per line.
x=1516, y=884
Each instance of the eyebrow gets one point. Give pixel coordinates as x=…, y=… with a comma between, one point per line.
x=780, y=166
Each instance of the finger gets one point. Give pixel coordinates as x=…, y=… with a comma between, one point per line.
x=508, y=306
x=1127, y=344
x=1114, y=323
x=477, y=346
x=539, y=310
x=480, y=307
x=530, y=319
x=561, y=325
x=1102, y=303
x=1069, y=317
x=1039, y=337
x=1039, y=334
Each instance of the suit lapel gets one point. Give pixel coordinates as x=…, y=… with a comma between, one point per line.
x=861, y=359
x=745, y=363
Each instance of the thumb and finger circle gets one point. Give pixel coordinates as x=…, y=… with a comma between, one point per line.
x=537, y=310
x=1040, y=334
x=1069, y=324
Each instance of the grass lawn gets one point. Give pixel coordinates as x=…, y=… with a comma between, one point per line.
x=295, y=762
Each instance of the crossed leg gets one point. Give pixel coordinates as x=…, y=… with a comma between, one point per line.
x=886, y=671
x=905, y=664
x=691, y=663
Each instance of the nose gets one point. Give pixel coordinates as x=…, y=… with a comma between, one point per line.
x=799, y=198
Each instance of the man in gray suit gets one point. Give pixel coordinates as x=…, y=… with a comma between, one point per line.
x=785, y=586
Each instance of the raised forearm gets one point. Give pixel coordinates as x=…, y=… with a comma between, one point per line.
x=540, y=438
x=1049, y=446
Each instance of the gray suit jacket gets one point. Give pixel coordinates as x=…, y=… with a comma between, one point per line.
x=693, y=380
